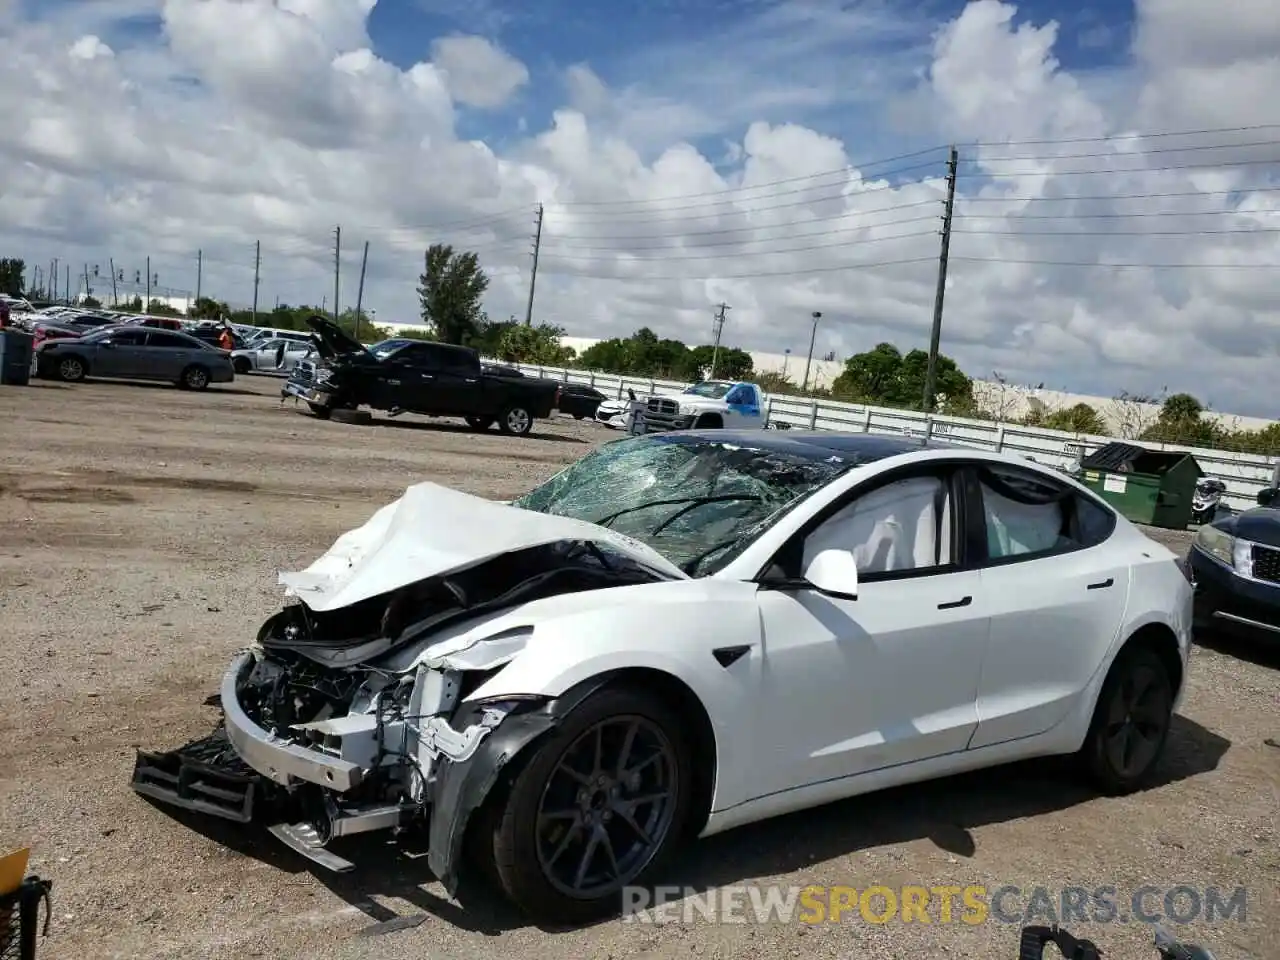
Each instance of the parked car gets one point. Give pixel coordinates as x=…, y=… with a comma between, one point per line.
x=271, y=356
x=580, y=401
x=420, y=376
x=1235, y=565
x=130, y=352
x=54, y=331
x=212, y=336
x=708, y=403
x=615, y=413
x=682, y=633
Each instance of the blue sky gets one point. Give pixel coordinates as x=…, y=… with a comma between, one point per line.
x=674, y=49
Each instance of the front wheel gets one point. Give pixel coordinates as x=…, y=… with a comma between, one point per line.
x=71, y=369
x=321, y=411
x=1130, y=723
x=599, y=805
x=515, y=420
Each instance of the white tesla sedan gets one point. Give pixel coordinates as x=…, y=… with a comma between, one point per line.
x=683, y=633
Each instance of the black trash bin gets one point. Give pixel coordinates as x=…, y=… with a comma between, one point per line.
x=16, y=349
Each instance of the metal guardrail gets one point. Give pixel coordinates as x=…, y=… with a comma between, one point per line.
x=1243, y=473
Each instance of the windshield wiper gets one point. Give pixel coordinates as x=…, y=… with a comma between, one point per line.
x=691, y=501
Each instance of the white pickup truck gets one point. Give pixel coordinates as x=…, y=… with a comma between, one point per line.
x=727, y=404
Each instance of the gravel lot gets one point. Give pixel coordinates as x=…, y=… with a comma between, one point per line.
x=141, y=529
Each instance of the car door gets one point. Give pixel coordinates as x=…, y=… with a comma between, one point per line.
x=265, y=354
x=122, y=353
x=405, y=379
x=856, y=685
x=1057, y=592
x=166, y=355
x=743, y=406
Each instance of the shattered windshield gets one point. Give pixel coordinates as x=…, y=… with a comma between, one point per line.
x=710, y=388
x=698, y=502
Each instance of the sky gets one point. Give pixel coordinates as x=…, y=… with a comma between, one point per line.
x=1117, y=212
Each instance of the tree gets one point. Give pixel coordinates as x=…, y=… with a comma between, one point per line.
x=206, y=308
x=158, y=308
x=450, y=290
x=885, y=376
x=1133, y=413
x=93, y=303
x=776, y=382
x=1181, y=420
x=541, y=344
x=731, y=363
x=1081, y=418
x=12, y=282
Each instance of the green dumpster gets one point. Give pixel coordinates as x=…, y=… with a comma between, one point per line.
x=1154, y=487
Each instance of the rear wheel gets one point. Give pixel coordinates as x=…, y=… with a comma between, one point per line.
x=1130, y=723
x=195, y=377
x=515, y=420
x=597, y=808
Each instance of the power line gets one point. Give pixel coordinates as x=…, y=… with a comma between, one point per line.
x=1119, y=233
x=1122, y=266
x=746, y=253
x=1089, y=173
x=1143, y=153
x=1123, y=196
x=1234, y=211
x=732, y=243
x=753, y=274
x=1128, y=136
x=779, y=193
x=845, y=171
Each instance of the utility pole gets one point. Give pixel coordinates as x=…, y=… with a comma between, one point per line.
x=146, y=306
x=813, y=336
x=115, y=297
x=715, y=350
x=67, y=288
x=935, y=339
x=364, y=264
x=257, y=275
x=199, y=271
x=337, y=260
x=86, y=280
x=53, y=279
x=533, y=274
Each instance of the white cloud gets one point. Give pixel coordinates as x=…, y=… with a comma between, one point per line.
x=478, y=73
x=275, y=121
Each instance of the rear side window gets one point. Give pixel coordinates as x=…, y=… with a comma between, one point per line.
x=1026, y=516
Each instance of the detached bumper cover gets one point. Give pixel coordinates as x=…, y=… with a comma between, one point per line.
x=304, y=391
x=276, y=759
x=1226, y=601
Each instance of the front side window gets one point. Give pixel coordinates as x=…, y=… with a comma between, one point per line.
x=904, y=525
x=709, y=388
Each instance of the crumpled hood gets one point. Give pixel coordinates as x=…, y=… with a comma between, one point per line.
x=433, y=530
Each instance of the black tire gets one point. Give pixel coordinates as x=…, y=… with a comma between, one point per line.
x=479, y=424
x=72, y=369
x=242, y=365
x=195, y=377
x=320, y=410
x=517, y=849
x=351, y=415
x=1136, y=701
x=515, y=420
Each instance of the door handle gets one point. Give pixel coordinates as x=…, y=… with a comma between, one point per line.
x=962, y=602
x=1110, y=581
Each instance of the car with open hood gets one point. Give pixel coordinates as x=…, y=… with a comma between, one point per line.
x=681, y=633
x=1235, y=564
x=415, y=376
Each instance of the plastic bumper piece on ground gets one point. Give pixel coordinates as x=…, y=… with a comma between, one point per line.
x=276, y=759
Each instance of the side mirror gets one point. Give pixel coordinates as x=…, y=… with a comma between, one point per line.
x=834, y=573
x=106, y=343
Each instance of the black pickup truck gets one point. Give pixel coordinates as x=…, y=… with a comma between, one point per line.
x=415, y=376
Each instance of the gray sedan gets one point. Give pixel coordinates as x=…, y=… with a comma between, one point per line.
x=277, y=356
x=131, y=352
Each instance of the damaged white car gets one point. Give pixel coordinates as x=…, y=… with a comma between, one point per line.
x=682, y=633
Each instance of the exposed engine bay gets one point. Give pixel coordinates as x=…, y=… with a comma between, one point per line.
x=342, y=721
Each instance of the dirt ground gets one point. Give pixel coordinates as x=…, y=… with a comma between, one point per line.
x=141, y=530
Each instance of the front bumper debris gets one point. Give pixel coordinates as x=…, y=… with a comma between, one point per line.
x=303, y=392
x=204, y=776
x=276, y=759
